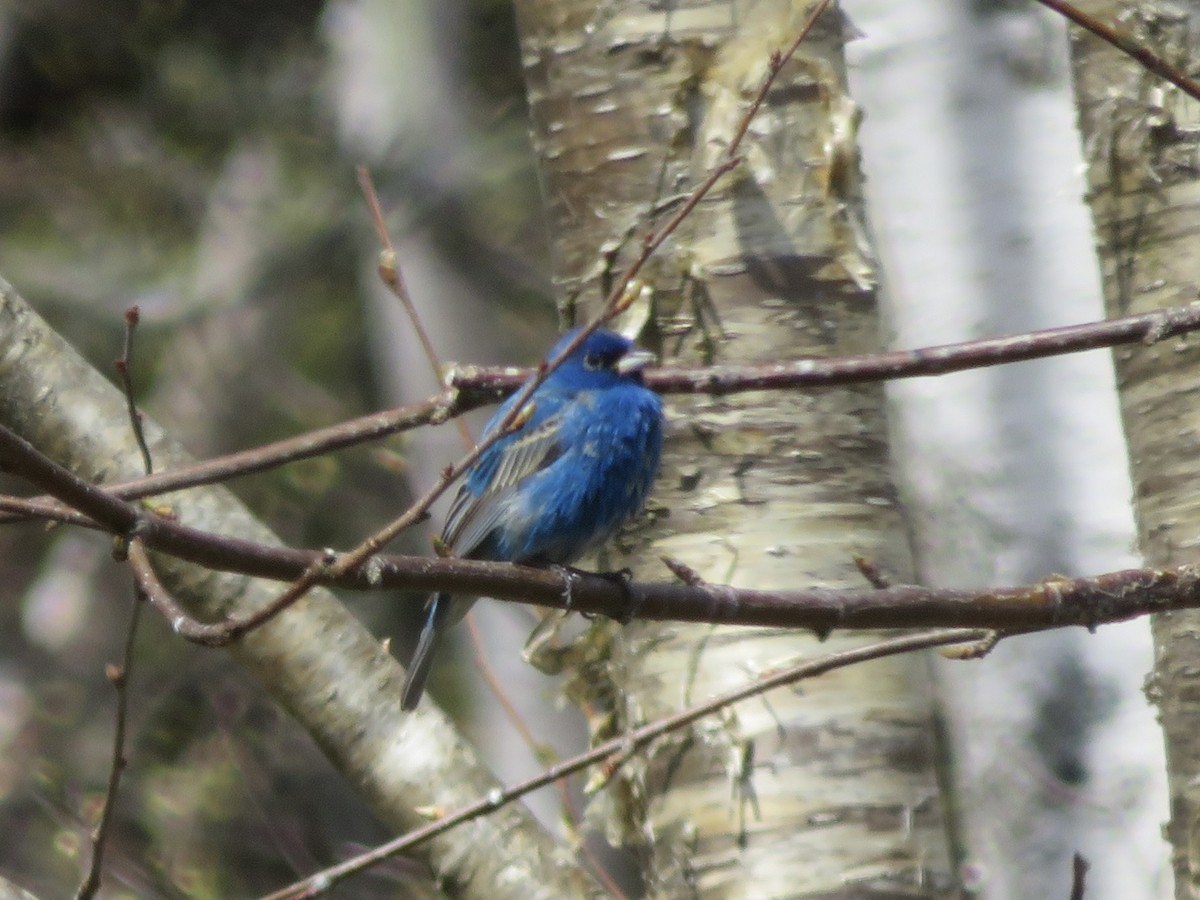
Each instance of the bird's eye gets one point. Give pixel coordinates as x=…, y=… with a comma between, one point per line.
x=593, y=361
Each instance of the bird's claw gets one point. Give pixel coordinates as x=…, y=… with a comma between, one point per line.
x=621, y=577
x=569, y=576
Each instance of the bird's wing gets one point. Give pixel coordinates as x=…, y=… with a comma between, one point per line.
x=482, y=498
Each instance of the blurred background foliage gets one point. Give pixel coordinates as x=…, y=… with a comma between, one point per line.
x=197, y=159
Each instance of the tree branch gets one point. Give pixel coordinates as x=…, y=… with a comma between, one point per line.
x=317, y=661
x=621, y=748
x=1146, y=328
x=1056, y=602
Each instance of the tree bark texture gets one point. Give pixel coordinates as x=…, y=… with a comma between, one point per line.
x=828, y=791
x=1140, y=143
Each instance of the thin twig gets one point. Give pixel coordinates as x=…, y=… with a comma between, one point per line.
x=540, y=751
x=620, y=293
x=622, y=747
x=188, y=628
x=119, y=677
x=777, y=62
x=896, y=364
x=1056, y=602
x=418, y=510
x=434, y=411
x=393, y=279
x=475, y=387
x=46, y=508
x=870, y=570
x=976, y=649
x=1128, y=45
x=124, y=367
x=1079, y=870
x=340, y=565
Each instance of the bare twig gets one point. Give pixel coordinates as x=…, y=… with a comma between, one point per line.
x=1057, y=602
x=433, y=411
x=124, y=367
x=339, y=566
x=778, y=61
x=474, y=387
x=1079, y=870
x=393, y=279
x=976, y=649
x=119, y=677
x=919, y=363
x=620, y=292
x=351, y=560
x=1126, y=43
x=622, y=747
x=389, y=270
x=45, y=508
x=25, y=460
x=209, y=635
x=537, y=749
x=870, y=570
x=682, y=571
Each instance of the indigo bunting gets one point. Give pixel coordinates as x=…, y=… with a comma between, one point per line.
x=558, y=486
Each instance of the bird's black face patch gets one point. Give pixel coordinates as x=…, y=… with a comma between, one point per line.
x=603, y=360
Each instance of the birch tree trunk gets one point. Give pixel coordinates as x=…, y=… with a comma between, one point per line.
x=1140, y=142
x=975, y=184
x=833, y=788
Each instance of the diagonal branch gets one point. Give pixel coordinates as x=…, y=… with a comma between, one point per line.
x=622, y=748
x=1125, y=42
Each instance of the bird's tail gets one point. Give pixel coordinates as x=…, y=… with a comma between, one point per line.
x=436, y=623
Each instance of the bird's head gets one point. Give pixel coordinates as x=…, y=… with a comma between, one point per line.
x=604, y=358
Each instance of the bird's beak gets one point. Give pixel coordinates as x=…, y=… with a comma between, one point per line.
x=635, y=361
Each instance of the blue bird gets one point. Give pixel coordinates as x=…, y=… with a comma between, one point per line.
x=561, y=484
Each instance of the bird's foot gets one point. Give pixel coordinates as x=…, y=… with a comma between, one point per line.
x=620, y=577
x=569, y=575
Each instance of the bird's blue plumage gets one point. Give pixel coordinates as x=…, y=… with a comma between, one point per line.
x=559, y=486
